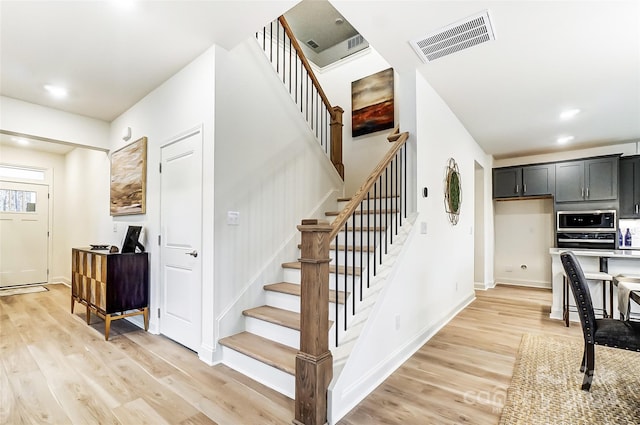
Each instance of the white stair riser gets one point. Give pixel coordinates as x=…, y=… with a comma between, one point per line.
x=283, y=301
x=374, y=203
x=289, y=302
x=272, y=331
x=270, y=376
x=293, y=276
x=368, y=238
x=350, y=257
x=377, y=220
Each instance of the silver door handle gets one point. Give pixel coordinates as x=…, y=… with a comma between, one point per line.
x=587, y=192
x=193, y=253
x=517, y=188
x=524, y=188
x=582, y=193
x=637, y=208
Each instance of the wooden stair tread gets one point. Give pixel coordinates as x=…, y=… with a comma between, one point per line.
x=358, y=212
x=294, y=289
x=332, y=269
x=274, y=354
x=286, y=318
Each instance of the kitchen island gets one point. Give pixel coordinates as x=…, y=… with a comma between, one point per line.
x=614, y=262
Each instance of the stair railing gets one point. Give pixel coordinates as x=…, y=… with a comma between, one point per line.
x=383, y=200
x=285, y=54
x=387, y=187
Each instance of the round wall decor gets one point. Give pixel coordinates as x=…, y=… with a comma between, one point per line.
x=452, y=191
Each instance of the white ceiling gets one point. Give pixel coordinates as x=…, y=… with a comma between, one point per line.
x=548, y=56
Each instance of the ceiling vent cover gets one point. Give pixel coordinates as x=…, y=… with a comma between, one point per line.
x=312, y=44
x=469, y=32
x=355, y=41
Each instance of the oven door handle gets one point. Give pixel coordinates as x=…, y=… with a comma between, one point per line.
x=587, y=240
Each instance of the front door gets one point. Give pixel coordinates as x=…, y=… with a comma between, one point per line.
x=24, y=240
x=181, y=239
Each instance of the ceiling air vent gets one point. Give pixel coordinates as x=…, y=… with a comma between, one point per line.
x=469, y=32
x=312, y=44
x=355, y=41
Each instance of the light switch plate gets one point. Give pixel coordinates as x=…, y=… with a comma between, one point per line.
x=233, y=218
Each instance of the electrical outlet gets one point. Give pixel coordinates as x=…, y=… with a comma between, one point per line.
x=508, y=268
x=423, y=227
x=115, y=227
x=397, y=321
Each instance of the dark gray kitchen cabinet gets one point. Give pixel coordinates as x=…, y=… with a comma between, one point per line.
x=594, y=179
x=630, y=187
x=524, y=181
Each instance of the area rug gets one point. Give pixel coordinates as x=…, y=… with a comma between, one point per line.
x=545, y=388
x=23, y=290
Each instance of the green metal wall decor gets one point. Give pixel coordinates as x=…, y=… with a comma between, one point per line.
x=452, y=191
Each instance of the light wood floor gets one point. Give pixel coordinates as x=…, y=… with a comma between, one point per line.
x=462, y=374
x=56, y=369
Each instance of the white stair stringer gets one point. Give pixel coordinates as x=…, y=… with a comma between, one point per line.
x=349, y=338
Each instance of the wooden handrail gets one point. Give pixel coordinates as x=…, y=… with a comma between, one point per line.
x=305, y=63
x=399, y=139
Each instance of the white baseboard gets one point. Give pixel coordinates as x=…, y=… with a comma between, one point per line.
x=528, y=283
x=60, y=279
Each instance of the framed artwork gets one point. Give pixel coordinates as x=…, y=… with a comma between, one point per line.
x=372, y=103
x=128, y=186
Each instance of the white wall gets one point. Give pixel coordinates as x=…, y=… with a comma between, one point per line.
x=523, y=236
x=270, y=169
x=55, y=166
x=86, y=216
x=434, y=278
x=360, y=155
x=183, y=102
x=35, y=120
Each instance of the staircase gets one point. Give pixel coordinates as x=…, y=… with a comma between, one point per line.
x=267, y=349
x=312, y=319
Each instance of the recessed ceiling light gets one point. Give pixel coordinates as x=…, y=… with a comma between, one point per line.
x=56, y=91
x=565, y=139
x=125, y=4
x=569, y=113
x=20, y=141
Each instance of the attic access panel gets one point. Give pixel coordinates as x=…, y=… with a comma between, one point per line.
x=460, y=35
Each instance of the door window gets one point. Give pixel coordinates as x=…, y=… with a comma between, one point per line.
x=17, y=201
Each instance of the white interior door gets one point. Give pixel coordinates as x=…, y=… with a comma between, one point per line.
x=24, y=239
x=181, y=240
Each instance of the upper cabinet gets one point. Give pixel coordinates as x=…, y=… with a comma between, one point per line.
x=524, y=181
x=594, y=179
x=630, y=187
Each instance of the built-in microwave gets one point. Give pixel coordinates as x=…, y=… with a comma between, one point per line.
x=587, y=221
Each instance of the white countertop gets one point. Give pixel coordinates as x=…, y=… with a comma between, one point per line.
x=610, y=253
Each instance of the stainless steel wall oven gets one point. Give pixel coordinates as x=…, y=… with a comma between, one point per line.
x=595, y=229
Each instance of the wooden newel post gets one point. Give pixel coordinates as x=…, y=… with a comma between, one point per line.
x=336, y=139
x=314, y=362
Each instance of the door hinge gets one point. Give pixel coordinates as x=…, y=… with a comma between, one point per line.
x=48, y=196
x=158, y=312
x=159, y=237
x=160, y=167
x=47, y=234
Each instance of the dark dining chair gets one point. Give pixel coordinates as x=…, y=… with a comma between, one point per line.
x=609, y=332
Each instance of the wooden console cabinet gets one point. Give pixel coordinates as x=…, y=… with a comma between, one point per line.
x=112, y=285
